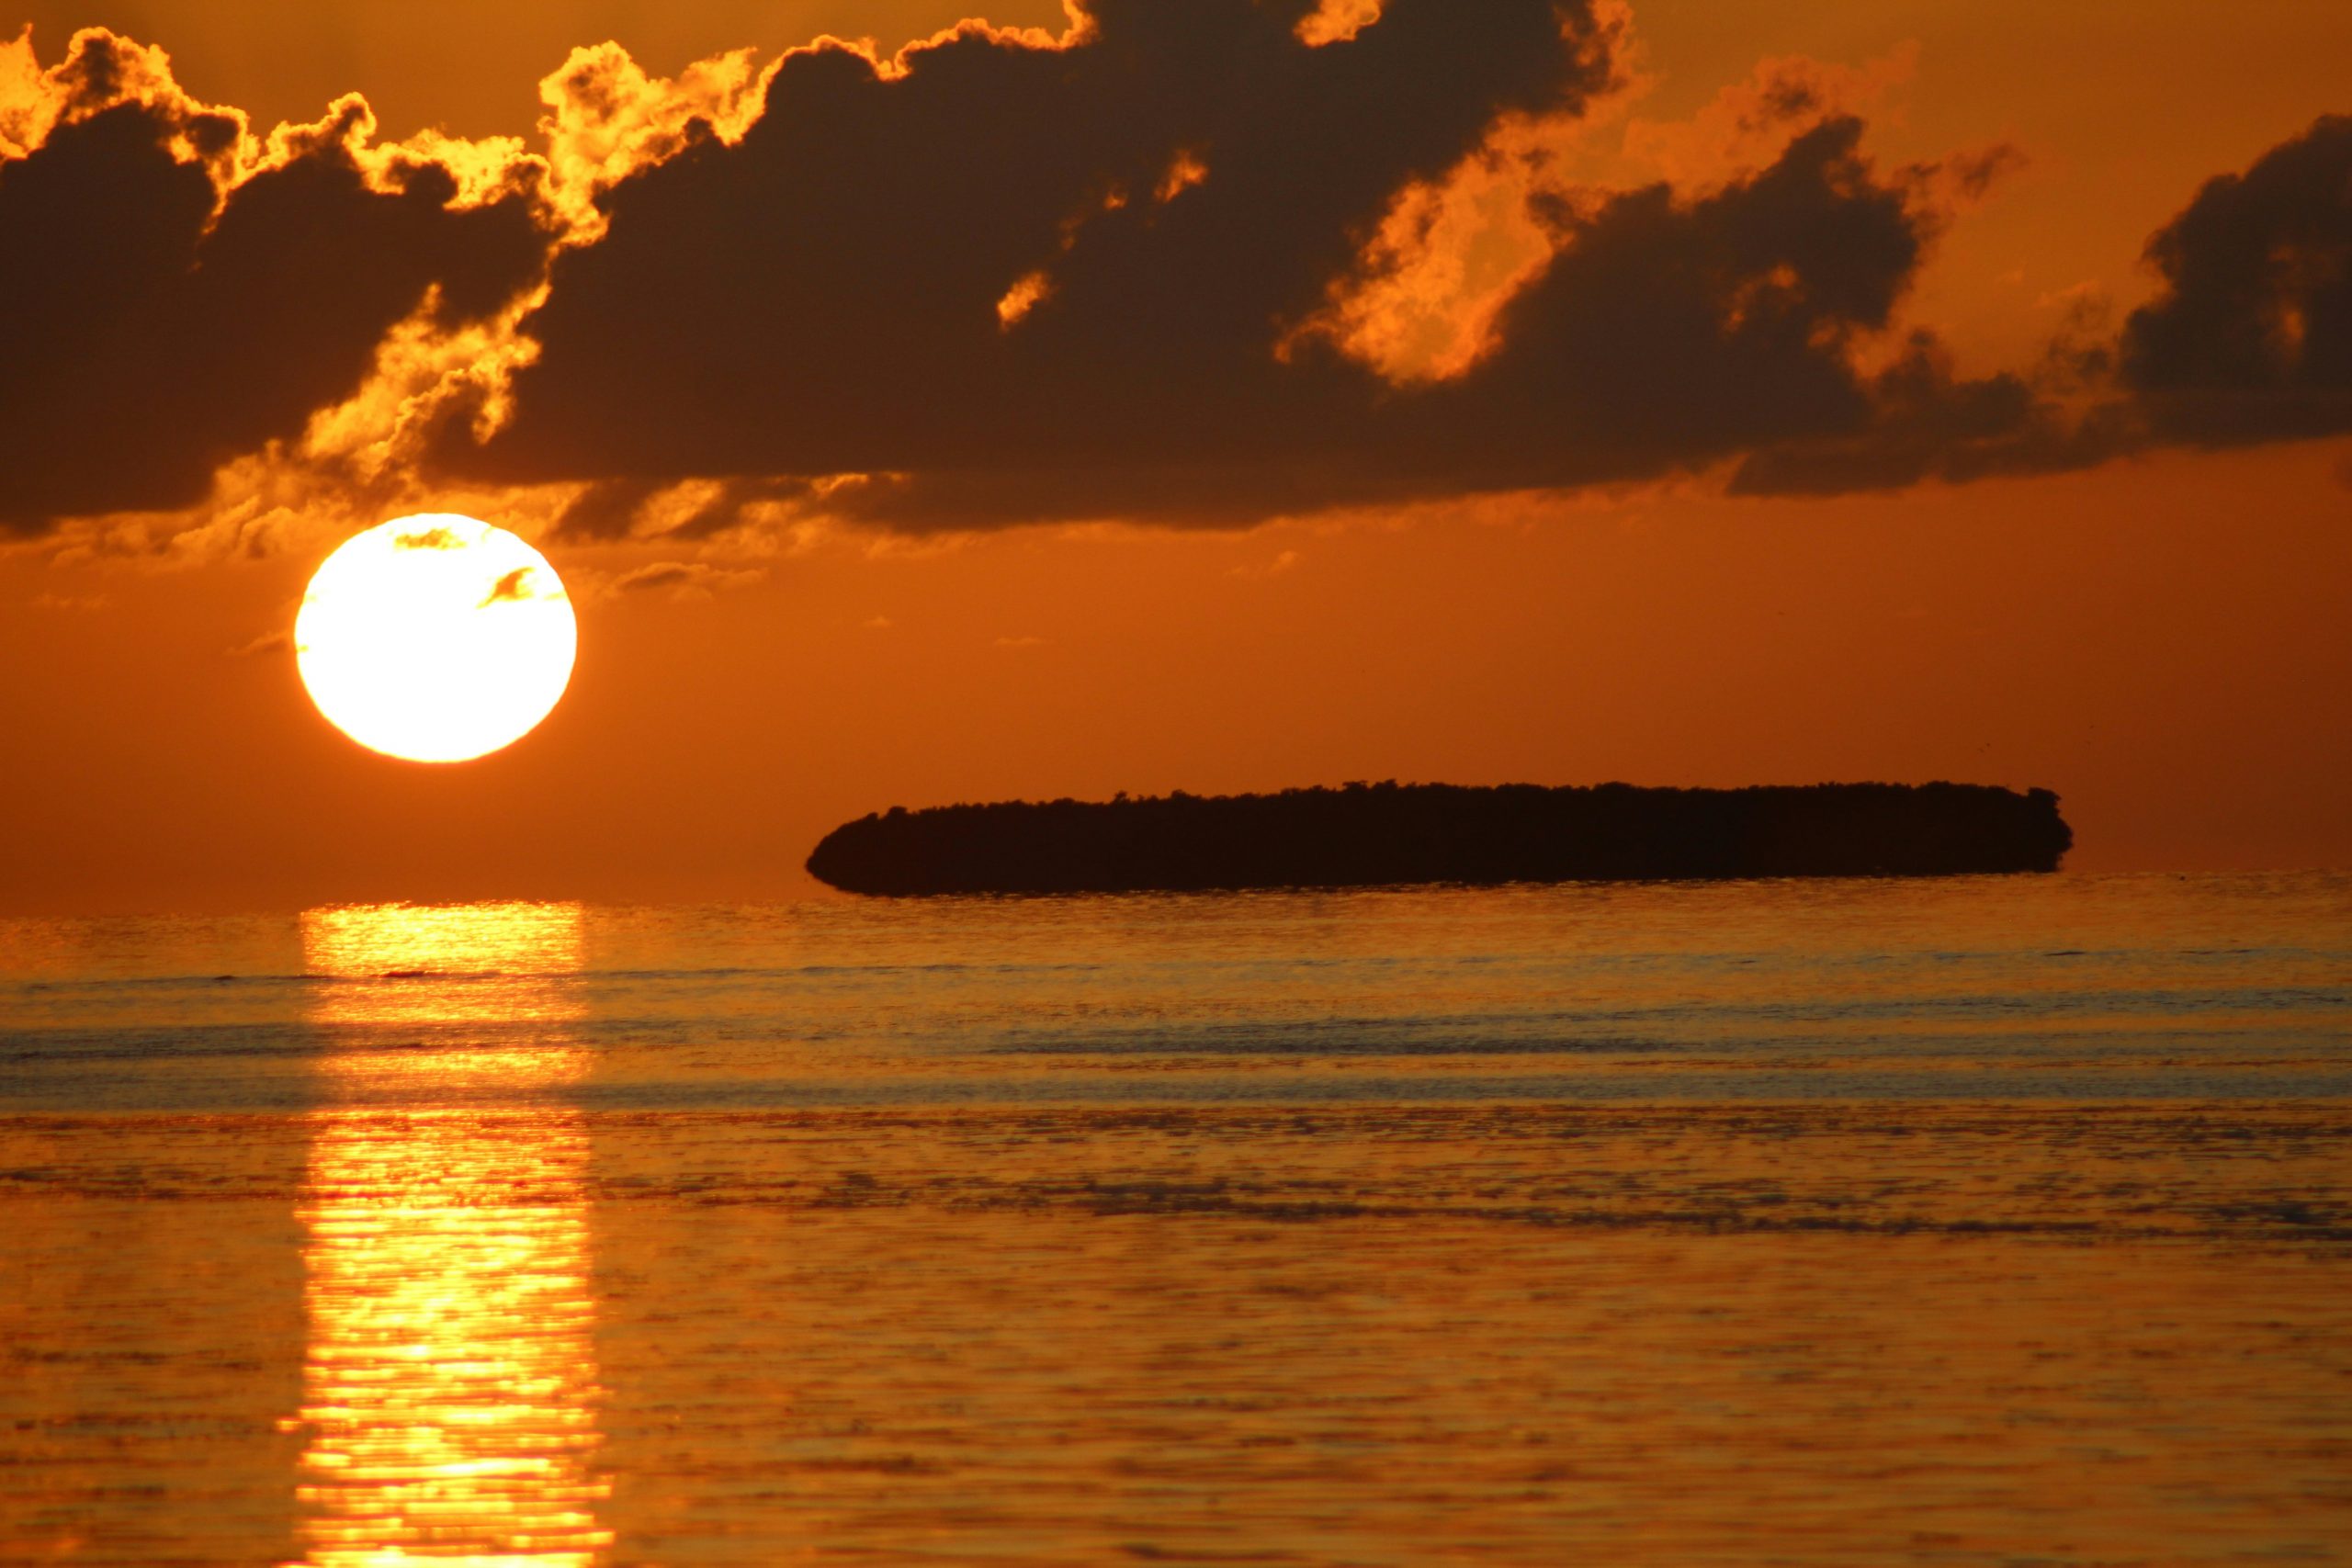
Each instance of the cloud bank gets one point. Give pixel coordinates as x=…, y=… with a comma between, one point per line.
x=1190, y=262
x=2252, y=338
x=174, y=294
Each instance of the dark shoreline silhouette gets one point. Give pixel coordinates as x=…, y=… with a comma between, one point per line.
x=1364, y=835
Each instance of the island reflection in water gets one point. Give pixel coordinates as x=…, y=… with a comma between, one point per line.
x=449, y=1385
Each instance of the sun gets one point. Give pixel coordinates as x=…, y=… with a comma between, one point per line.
x=435, y=637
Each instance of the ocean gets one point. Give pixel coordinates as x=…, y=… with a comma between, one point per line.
x=1981, y=1221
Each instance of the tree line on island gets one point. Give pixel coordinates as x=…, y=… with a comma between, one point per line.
x=1372, y=834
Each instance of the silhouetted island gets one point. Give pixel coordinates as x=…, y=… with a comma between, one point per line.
x=1367, y=834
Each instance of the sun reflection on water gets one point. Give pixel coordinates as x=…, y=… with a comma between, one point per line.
x=450, y=1388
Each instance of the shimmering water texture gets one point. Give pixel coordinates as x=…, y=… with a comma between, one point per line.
x=1982, y=1222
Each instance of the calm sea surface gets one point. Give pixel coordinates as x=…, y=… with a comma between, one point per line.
x=2000, y=1221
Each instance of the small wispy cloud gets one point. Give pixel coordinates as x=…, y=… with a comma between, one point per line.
x=687, y=579
x=1260, y=570
x=268, y=642
x=511, y=589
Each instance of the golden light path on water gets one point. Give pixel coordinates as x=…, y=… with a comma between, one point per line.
x=450, y=1381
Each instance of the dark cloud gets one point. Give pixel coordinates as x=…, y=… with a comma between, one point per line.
x=997, y=280
x=1924, y=422
x=2251, y=339
x=1666, y=334
x=429, y=539
x=155, y=329
x=1670, y=333
x=824, y=298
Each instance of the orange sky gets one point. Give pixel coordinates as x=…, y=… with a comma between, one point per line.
x=2164, y=638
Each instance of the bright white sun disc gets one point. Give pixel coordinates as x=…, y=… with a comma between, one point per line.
x=435, y=637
